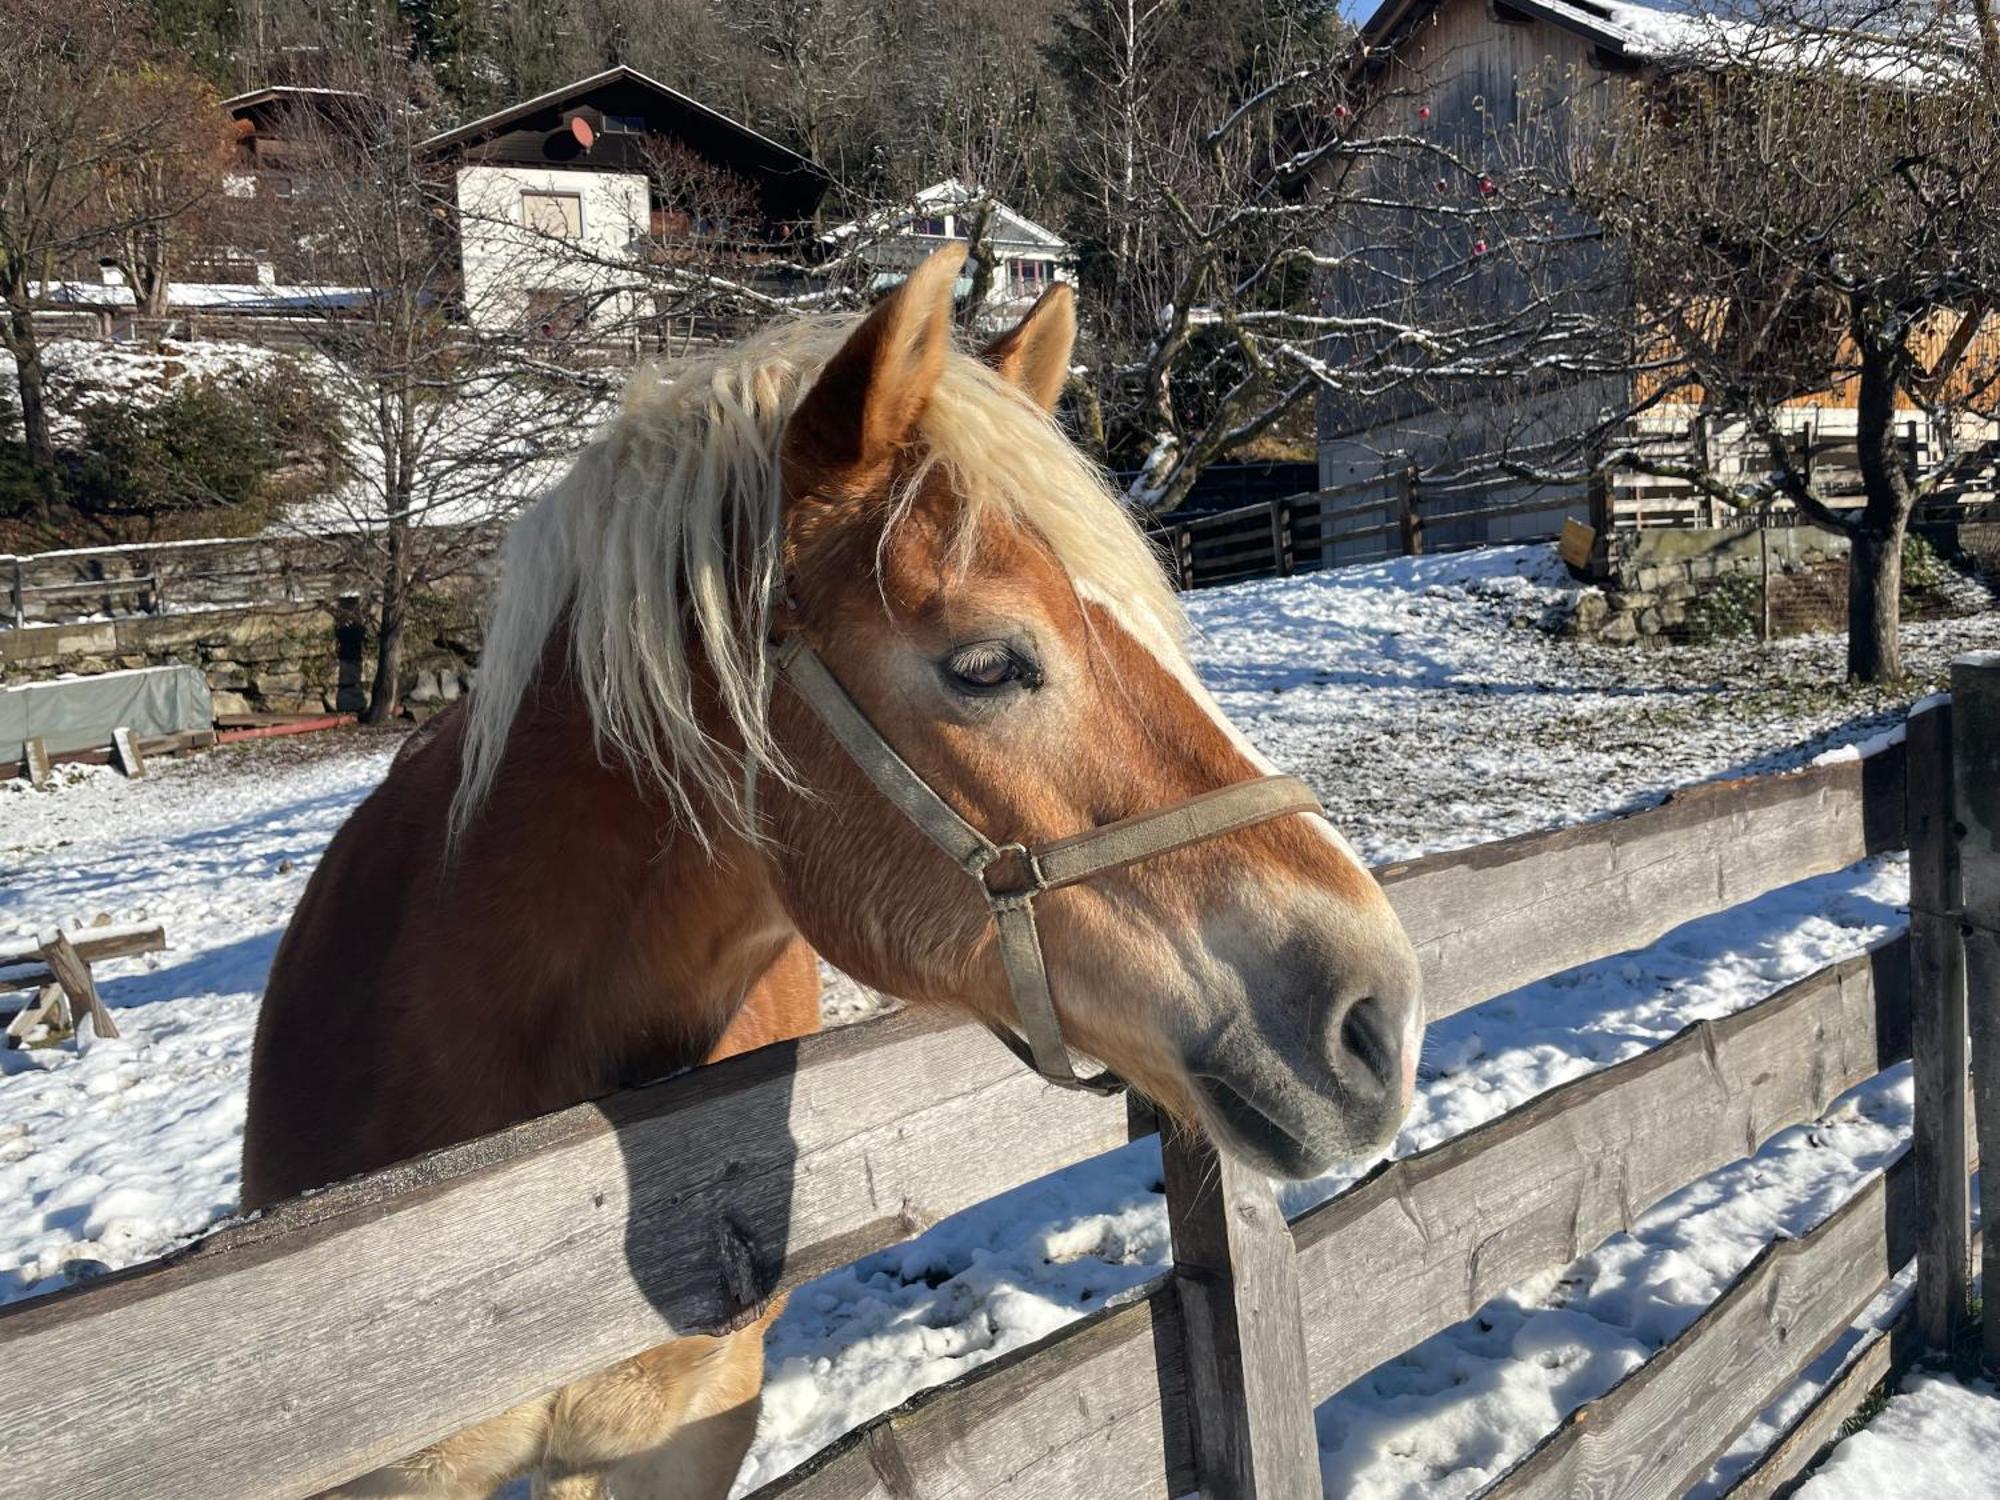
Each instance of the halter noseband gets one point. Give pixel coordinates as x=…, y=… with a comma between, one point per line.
x=1012, y=875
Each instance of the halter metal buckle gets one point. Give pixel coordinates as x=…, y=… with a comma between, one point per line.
x=1009, y=872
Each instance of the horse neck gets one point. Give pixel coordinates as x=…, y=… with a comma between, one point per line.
x=576, y=877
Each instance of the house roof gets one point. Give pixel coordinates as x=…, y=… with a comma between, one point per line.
x=1628, y=28
x=500, y=119
x=271, y=94
x=1879, y=45
x=954, y=193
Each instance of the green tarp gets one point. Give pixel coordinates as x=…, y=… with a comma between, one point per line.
x=79, y=713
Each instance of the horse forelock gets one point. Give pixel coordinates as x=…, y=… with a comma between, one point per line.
x=660, y=553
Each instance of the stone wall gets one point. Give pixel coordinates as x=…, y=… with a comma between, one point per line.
x=1671, y=584
x=302, y=658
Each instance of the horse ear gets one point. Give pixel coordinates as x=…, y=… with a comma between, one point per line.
x=867, y=400
x=1034, y=353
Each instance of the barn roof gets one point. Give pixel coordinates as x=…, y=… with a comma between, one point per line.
x=1882, y=42
x=754, y=143
x=1632, y=29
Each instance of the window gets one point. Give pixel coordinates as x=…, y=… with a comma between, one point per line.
x=935, y=225
x=624, y=124
x=1030, y=278
x=558, y=214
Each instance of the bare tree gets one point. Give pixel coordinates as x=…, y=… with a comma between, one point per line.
x=1809, y=208
x=1262, y=232
x=155, y=196
x=451, y=423
x=68, y=121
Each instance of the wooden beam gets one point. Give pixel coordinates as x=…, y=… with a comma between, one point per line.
x=485, y=1273
x=73, y=974
x=21, y=966
x=1660, y=1428
x=1096, y=1408
x=1491, y=918
x=1786, y=1464
x=1237, y=1281
x=1975, y=726
x=1819, y=1426
x=1425, y=1241
x=46, y=1009
x=126, y=748
x=36, y=760
x=1938, y=1039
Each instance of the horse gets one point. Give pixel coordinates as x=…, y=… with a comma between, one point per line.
x=812, y=620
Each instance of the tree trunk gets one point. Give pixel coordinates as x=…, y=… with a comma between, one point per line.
x=30, y=381
x=1874, y=606
x=1875, y=558
x=386, y=691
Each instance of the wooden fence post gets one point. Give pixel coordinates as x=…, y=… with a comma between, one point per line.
x=1184, y=556
x=73, y=974
x=1937, y=1036
x=1238, y=1288
x=1408, y=522
x=20, y=591
x=1603, y=516
x=1281, y=536
x=1975, y=715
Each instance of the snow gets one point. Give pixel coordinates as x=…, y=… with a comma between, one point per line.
x=1937, y=1436
x=1426, y=711
x=215, y=295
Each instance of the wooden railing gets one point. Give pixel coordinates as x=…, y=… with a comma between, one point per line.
x=284, y=1355
x=141, y=578
x=1399, y=514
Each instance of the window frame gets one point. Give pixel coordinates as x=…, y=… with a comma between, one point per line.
x=552, y=195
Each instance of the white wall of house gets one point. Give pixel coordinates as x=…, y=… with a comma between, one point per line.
x=1027, y=258
x=531, y=236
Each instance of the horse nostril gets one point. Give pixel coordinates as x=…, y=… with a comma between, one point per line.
x=1367, y=1034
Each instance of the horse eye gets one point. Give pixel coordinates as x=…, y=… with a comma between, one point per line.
x=988, y=667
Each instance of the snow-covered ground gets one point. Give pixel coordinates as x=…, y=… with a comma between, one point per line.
x=1937, y=1436
x=1426, y=715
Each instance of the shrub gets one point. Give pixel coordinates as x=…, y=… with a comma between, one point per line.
x=240, y=442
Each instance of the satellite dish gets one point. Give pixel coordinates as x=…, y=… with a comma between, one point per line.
x=580, y=128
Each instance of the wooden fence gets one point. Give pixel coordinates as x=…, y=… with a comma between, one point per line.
x=338, y=1331
x=145, y=578
x=1399, y=514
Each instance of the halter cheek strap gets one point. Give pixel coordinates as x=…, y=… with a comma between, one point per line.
x=1011, y=876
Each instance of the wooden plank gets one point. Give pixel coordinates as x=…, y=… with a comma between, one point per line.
x=1097, y=1408
x=1937, y=1038
x=1427, y=1240
x=1975, y=726
x=1818, y=1427
x=21, y=966
x=73, y=974
x=46, y=1009
x=1660, y=1428
x=1244, y=1348
x=1805, y=1441
x=487, y=1272
x=1491, y=918
x=37, y=762
x=161, y=744
x=93, y=945
x=126, y=748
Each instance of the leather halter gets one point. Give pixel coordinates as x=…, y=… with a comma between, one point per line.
x=1011, y=876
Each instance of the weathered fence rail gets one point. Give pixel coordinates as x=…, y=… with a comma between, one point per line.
x=139, y=578
x=1398, y=514
x=283, y=1355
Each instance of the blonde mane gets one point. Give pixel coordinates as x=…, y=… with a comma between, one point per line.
x=662, y=544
